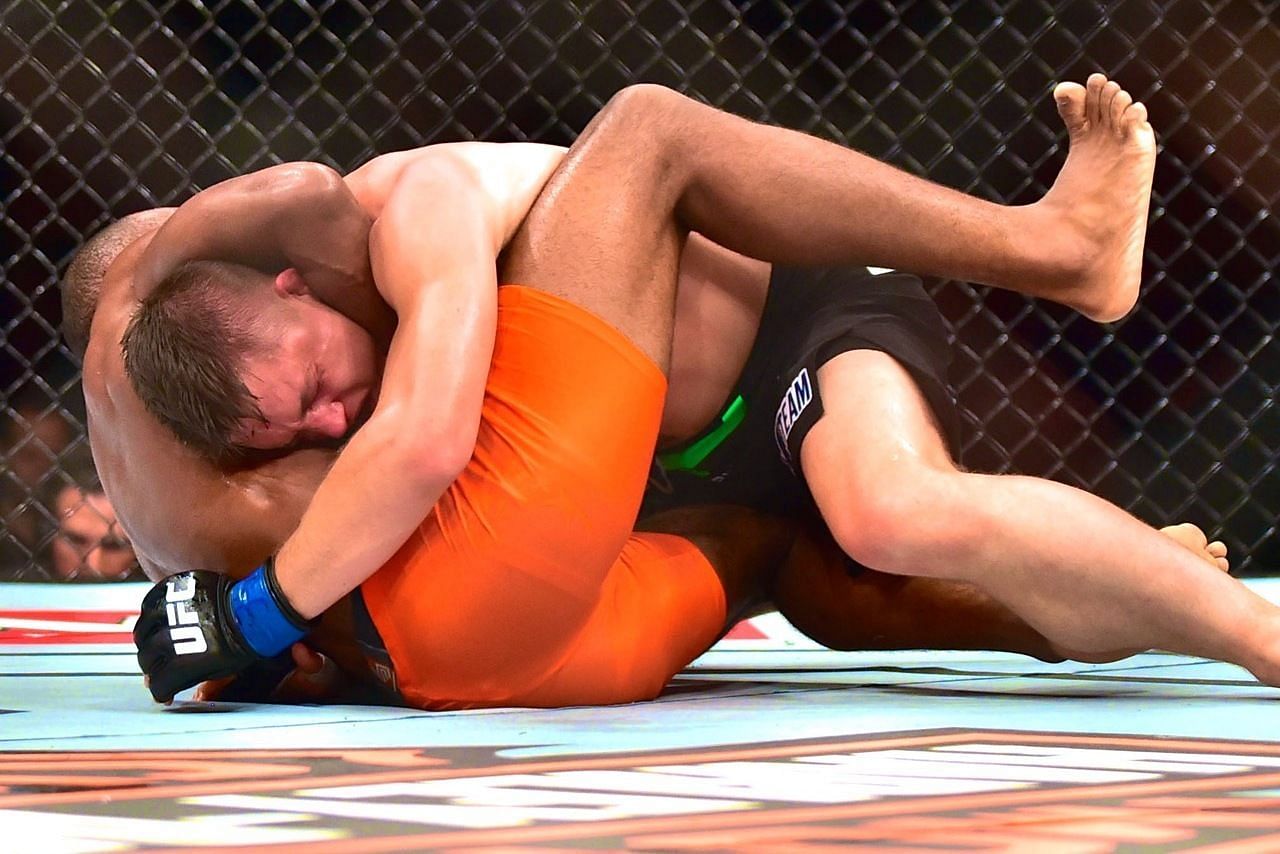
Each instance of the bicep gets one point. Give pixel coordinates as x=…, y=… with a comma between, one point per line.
x=234, y=220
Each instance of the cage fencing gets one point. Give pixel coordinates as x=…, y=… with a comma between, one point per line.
x=107, y=108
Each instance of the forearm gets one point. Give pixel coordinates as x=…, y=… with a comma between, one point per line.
x=371, y=502
x=299, y=215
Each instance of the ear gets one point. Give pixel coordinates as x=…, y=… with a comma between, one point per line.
x=291, y=284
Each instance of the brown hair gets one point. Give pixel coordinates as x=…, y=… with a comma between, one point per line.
x=185, y=349
x=82, y=283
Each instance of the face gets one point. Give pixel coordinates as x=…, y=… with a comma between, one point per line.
x=90, y=542
x=315, y=384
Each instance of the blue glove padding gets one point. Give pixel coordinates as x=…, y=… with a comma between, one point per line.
x=264, y=616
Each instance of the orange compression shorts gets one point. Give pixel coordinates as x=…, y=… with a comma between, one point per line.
x=525, y=585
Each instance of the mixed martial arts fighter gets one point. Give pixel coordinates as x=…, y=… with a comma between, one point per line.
x=666, y=102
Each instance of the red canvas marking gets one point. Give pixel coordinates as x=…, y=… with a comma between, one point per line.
x=1208, y=810
x=746, y=630
x=56, y=628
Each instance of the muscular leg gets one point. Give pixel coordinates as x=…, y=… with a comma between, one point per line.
x=745, y=547
x=815, y=591
x=1088, y=576
x=874, y=610
x=791, y=198
x=608, y=226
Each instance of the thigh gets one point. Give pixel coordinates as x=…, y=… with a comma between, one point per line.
x=603, y=234
x=743, y=546
x=661, y=607
x=510, y=564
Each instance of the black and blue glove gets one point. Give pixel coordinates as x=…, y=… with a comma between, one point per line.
x=196, y=626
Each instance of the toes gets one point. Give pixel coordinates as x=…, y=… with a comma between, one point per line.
x=1106, y=100
x=1070, y=99
x=1119, y=104
x=1135, y=115
x=1093, y=97
x=1188, y=535
x=1217, y=548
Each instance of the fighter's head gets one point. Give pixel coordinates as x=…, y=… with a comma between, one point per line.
x=82, y=283
x=231, y=360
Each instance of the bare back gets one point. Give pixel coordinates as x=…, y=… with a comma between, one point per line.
x=180, y=510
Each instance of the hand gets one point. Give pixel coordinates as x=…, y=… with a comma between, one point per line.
x=303, y=676
x=197, y=626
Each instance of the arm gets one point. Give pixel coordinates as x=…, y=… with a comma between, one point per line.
x=299, y=215
x=434, y=251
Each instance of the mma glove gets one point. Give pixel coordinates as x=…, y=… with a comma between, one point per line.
x=196, y=626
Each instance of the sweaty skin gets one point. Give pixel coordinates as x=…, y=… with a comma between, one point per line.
x=210, y=517
x=182, y=511
x=854, y=183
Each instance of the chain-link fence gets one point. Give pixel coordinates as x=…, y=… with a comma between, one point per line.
x=106, y=108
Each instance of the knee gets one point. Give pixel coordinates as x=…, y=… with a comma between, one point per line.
x=907, y=527
x=642, y=120
x=877, y=529
x=642, y=102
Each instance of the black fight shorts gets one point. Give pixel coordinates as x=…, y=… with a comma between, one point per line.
x=810, y=317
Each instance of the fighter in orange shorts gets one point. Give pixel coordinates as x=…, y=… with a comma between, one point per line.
x=230, y=515
x=644, y=214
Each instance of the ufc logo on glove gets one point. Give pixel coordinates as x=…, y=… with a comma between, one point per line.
x=184, y=622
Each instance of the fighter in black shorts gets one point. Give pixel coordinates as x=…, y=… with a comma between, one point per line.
x=750, y=455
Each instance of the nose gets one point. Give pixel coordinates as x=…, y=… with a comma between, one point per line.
x=328, y=420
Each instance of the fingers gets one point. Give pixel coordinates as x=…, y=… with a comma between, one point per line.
x=314, y=686
x=207, y=692
x=306, y=659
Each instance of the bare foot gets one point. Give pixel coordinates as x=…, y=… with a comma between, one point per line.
x=1193, y=539
x=1098, y=204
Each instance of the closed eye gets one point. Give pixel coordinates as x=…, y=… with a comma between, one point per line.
x=310, y=394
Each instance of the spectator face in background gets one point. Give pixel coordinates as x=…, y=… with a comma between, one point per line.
x=37, y=437
x=89, y=543
x=29, y=448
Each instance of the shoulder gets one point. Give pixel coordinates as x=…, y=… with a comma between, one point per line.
x=498, y=170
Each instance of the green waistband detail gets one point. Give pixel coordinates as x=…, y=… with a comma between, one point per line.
x=691, y=455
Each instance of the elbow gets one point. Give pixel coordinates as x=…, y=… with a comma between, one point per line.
x=431, y=458
x=447, y=457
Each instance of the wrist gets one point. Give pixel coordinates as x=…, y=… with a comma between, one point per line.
x=262, y=612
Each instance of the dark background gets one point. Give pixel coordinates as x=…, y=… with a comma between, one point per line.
x=106, y=108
